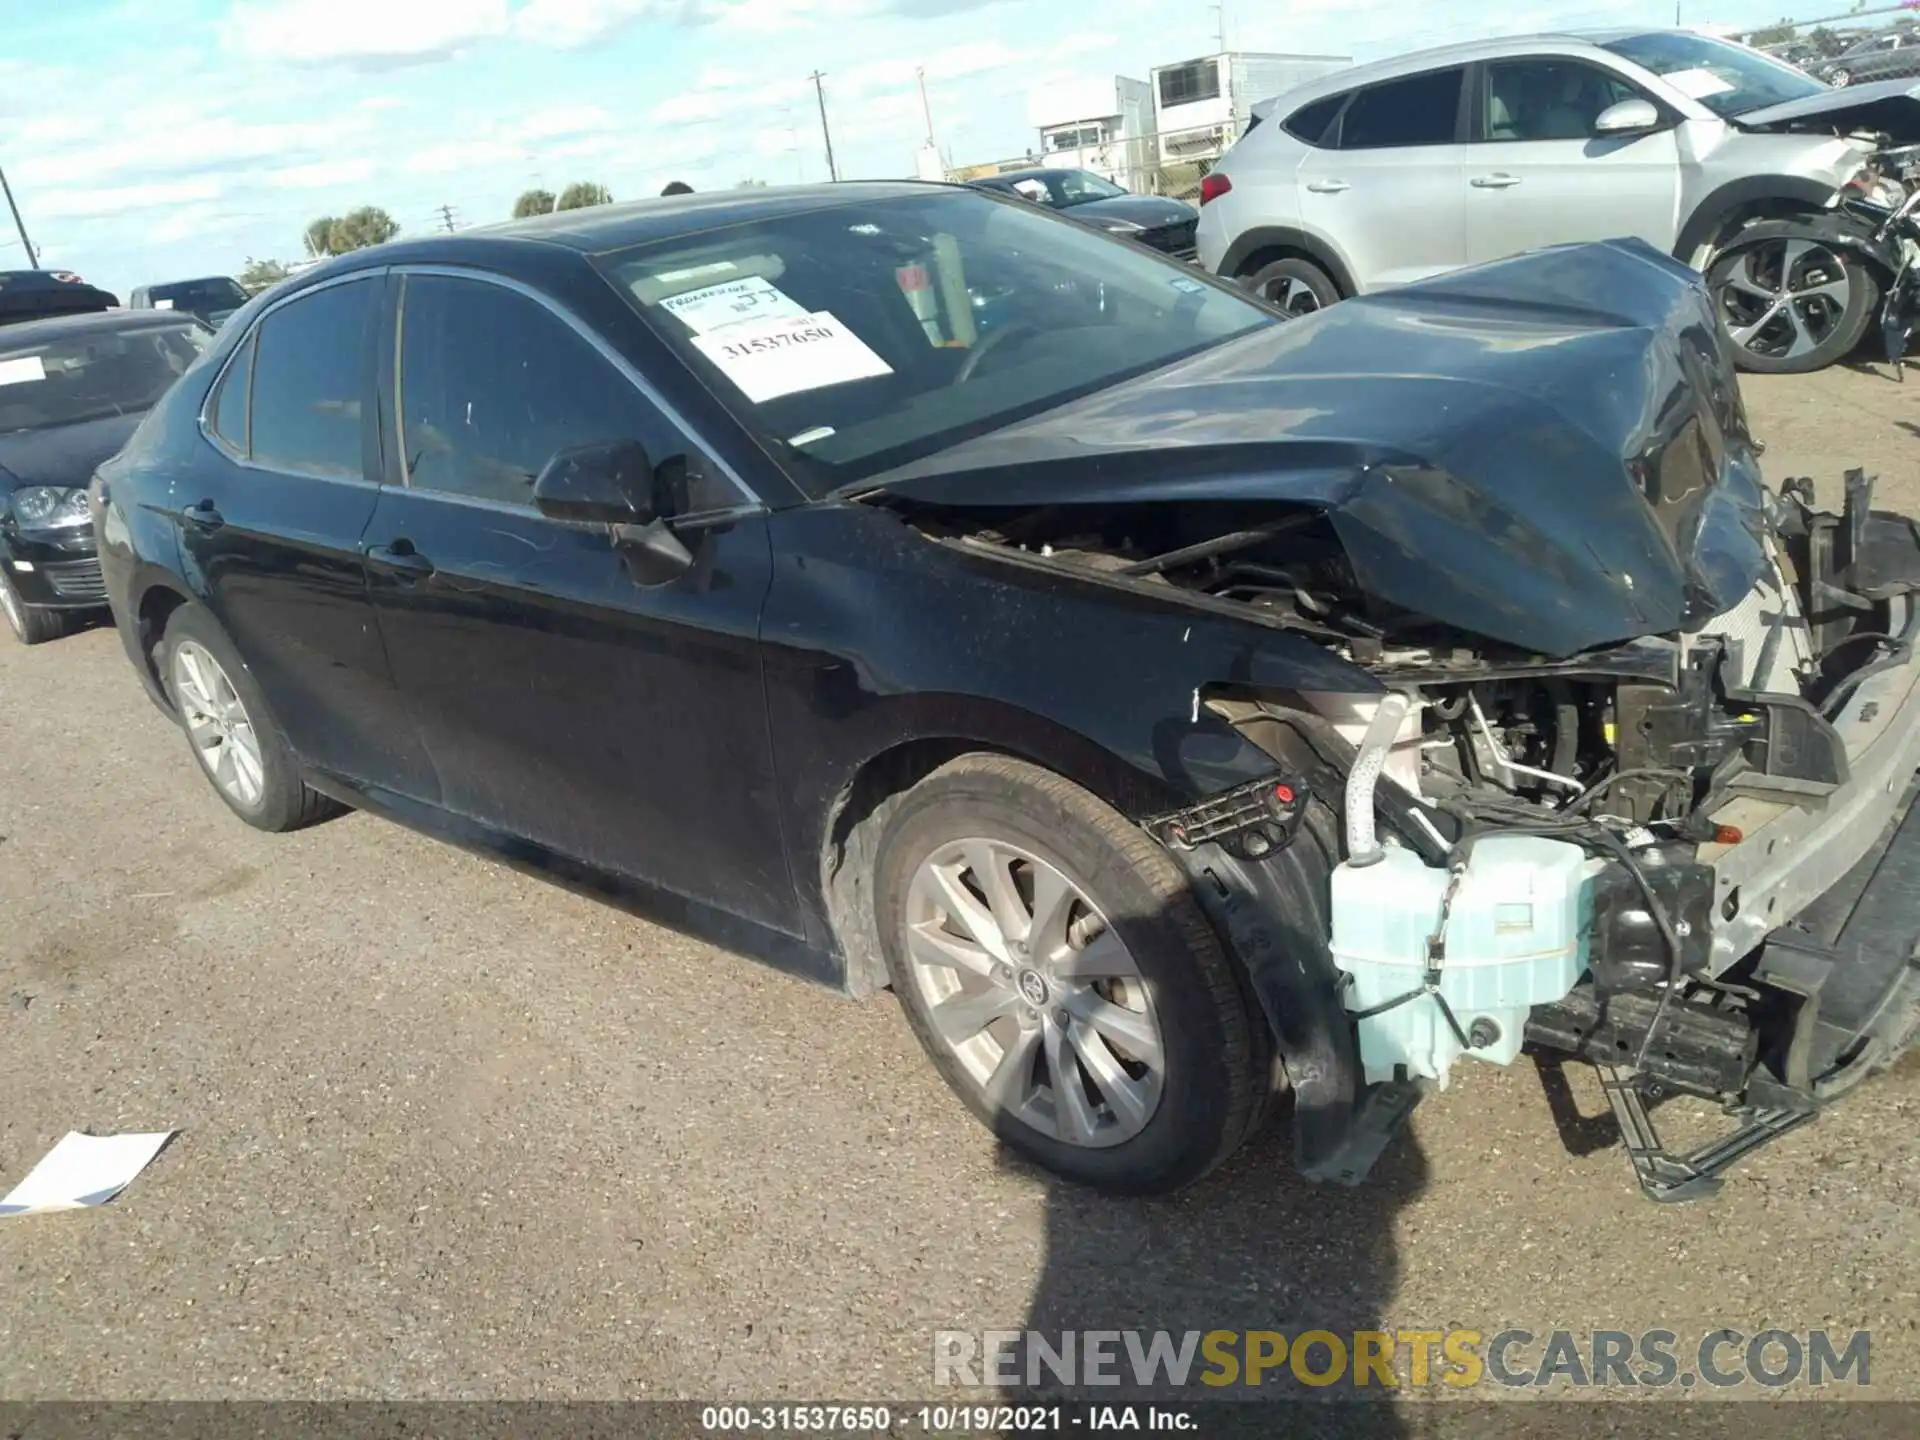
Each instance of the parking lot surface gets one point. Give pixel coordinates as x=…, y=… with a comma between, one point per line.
x=450, y=1132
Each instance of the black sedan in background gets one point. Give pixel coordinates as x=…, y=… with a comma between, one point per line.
x=71, y=391
x=1152, y=220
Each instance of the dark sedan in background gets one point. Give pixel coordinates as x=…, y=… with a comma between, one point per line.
x=72, y=389
x=1153, y=220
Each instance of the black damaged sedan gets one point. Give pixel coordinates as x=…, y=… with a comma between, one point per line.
x=72, y=389
x=1175, y=707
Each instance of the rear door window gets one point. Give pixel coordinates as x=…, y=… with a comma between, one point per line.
x=310, y=381
x=1419, y=110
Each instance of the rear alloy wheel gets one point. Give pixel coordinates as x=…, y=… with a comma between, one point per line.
x=1295, y=287
x=1840, y=79
x=31, y=624
x=1791, y=305
x=1056, y=969
x=235, y=740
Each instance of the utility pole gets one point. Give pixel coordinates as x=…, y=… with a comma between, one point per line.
x=826, y=134
x=446, y=218
x=920, y=73
x=33, y=260
x=1220, y=10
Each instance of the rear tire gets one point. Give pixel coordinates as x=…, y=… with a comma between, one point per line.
x=1123, y=981
x=1297, y=287
x=239, y=748
x=30, y=624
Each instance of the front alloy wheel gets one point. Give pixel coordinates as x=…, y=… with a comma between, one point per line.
x=217, y=722
x=1038, y=1000
x=1791, y=304
x=1055, y=966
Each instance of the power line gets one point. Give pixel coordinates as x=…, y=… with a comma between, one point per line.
x=445, y=212
x=820, y=92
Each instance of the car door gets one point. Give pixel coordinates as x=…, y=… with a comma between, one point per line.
x=1388, y=194
x=270, y=520
x=1537, y=174
x=562, y=699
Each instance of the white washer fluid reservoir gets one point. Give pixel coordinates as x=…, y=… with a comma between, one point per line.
x=1516, y=936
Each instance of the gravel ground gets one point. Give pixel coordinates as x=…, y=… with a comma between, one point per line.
x=449, y=1132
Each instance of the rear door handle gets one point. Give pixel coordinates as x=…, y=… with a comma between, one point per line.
x=1494, y=182
x=202, y=515
x=399, y=558
x=1327, y=187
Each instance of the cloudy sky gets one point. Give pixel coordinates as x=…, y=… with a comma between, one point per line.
x=149, y=139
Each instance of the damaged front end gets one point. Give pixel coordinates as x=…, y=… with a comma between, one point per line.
x=1626, y=773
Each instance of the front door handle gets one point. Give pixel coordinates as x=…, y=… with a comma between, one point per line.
x=399, y=559
x=203, y=515
x=1327, y=187
x=1494, y=182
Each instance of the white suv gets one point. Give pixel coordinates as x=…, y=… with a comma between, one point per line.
x=1390, y=172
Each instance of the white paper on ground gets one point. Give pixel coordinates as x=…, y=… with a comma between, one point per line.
x=83, y=1170
x=733, y=303
x=768, y=359
x=22, y=369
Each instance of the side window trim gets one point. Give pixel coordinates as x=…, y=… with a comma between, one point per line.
x=251, y=344
x=748, y=502
x=216, y=392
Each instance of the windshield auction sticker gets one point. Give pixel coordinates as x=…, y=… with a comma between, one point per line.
x=768, y=359
x=22, y=370
x=736, y=302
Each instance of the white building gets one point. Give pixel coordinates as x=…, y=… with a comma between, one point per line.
x=1105, y=126
x=1202, y=106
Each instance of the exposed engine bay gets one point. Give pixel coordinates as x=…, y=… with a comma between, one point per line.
x=1624, y=758
x=1529, y=841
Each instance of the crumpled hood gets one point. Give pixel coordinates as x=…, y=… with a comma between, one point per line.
x=1549, y=452
x=1889, y=106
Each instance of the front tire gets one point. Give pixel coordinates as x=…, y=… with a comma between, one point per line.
x=239, y=748
x=1790, y=303
x=30, y=624
x=1059, y=974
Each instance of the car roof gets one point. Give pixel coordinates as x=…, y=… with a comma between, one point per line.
x=30, y=332
x=599, y=228
x=1465, y=52
x=1036, y=172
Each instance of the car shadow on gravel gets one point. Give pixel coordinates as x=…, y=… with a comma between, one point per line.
x=1254, y=1247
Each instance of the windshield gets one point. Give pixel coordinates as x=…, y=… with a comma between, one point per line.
x=92, y=374
x=1063, y=189
x=872, y=333
x=1728, y=79
x=221, y=293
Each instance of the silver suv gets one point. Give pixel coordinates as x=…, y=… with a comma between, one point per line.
x=1394, y=171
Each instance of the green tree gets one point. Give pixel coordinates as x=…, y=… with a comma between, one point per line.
x=357, y=229
x=319, y=237
x=582, y=193
x=1778, y=34
x=257, y=275
x=533, y=202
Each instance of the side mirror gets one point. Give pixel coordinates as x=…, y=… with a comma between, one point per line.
x=608, y=482
x=1628, y=117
